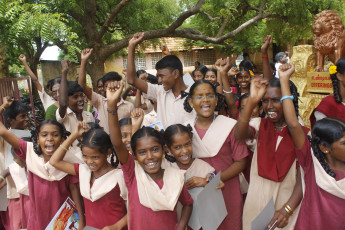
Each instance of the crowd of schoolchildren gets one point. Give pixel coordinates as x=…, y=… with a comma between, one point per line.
x=122, y=174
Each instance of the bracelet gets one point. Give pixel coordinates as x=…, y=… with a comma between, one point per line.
x=112, y=111
x=2, y=178
x=264, y=56
x=63, y=147
x=3, y=108
x=286, y=97
x=227, y=91
x=288, y=209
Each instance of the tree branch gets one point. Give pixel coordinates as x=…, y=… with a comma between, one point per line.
x=209, y=16
x=222, y=28
x=111, y=17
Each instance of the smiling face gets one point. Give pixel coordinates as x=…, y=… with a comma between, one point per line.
x=243, y=80
x=149, y=153
x=211, y=77
x=49, y=139
x=126, y=134
x=272, y=105
x=167, y=77
x=203, y=100
x=94, y=158
x=182, y=149
x=197, y=75
x=76, y=102
x=21, y=121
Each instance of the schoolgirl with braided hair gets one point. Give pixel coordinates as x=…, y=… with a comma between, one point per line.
x=322, y=161
x=333, y=105
x=214, y=142
x=101, y=183
x=48, y=187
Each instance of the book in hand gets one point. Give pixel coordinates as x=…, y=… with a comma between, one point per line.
x=66, y=218
x=157, y=126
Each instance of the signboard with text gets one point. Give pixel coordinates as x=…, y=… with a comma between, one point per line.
x=319, y=82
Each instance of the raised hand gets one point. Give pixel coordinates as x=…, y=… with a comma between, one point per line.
x=136, y=39
x=137, y=116
x=285, y=71
x=86, y=53
x=7, y=101
x=22, y=58
x=65, y=64
x=223, y=65
x=233, y=71
x=266, y=44
x=114, y=90
x=82, y=127
x=257, y=89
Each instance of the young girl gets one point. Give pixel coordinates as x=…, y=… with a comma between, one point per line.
x=274, y=170
x=323, y=204
x=126, y=132
x=214, y=142
x=152, y=191
x=101, y=184
x=48, y=187
x=333, y=105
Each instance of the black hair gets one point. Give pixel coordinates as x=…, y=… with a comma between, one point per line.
x=170, y=132
x=101, y=79
x=246, y=65
x=197, y=62
x=73, y=87
x=35, y=134
x=125, y=121
x=220, y=97
x=279, y=56
x=52, y=82
x=335, y=82
x=97, y=138
x=203, y=69
x=246, y=95
x=325, y=132
x=140, y=72
x=111, y=76
x=275, y=82
x=212, y=70
x=170, y=62
x=146, y=132
x=15, y=108
x=49, y=84
x=245, y=54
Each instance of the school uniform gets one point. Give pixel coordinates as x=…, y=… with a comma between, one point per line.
x=152, y=203
x=48, y=187
x=45, y=99
x=217, y=146
x=273, y=171
x=323, y=204
x=170, y=109
x=124, y=109
x=104, y=199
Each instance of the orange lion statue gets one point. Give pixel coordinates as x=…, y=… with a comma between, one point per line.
x=329, y=37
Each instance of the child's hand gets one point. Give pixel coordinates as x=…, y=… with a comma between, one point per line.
x=114, y=90
x=223, y=65
x=282, y=218
x=267, y=42
x=196, y=182
x=221, y=185
x=257, y=89
x=86, y=53
x=233, y=71
x=136, y=39
x=7, y=101
x=137, y=116
x=65, y=64
x=285, y=71
x=81, y=128
x=22, y=58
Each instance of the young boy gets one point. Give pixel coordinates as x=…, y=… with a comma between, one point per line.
x=99, y=101
x=16, y=115
x=71, y=110
x=171, y=94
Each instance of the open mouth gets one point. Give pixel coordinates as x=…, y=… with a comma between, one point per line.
x=151, y=165
x=80, y=106
x=205, y=107
x=185, y=157
x=272, y=115
x=49, y=148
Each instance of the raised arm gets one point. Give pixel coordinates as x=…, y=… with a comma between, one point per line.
x=31, y=74
x=285, y=71
x=57, y=159
x=85, y=54
x=137, y=116
x=268, y=75
x=12, y=139
x=63, y=99
x=6, y=103
x=131, y=74
x=113, y=95
x=257, y=91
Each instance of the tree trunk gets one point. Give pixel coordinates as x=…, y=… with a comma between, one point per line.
x=4, y=72
x=96, y=71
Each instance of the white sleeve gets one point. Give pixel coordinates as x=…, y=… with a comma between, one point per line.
x=318, y=115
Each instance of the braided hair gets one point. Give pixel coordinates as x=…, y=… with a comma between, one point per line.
x=97, y=138
x=325, y=132
x=220, y=97
x=335, y=81
x=35, y=134
x=170, y=132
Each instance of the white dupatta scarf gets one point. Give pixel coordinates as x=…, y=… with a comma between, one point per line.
x=20, y=178
x=214, y=138
x=37, y=166
x=151, y=196
x=102, y=185
x=326, y=182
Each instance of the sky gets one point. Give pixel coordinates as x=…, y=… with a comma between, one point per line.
x=50, y=53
